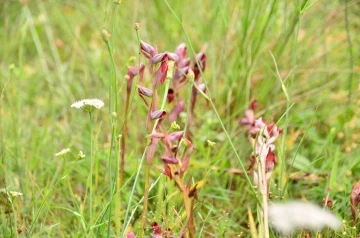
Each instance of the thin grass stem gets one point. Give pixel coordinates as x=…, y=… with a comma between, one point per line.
x=350, y=48
x=91, y=173
x=46, y=197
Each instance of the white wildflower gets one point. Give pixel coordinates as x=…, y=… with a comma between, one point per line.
x=211, y=143
x=88, y=104
x=62, y=152
x=81, y=155
x=15, y=194
x=290, y=216
x=10, y=194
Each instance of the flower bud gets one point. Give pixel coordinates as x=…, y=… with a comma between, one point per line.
x=199, y=65
x=159, y=114
x=147, y=50
x=105, y=35
x=181, y=50
x=163, y=56
x=211, y=143
x=190, y=76
x=171, y=65
x=170, y=159
x=145, y=91
x=175, y=126
x=81, y=155
x=170, y=95
x=136, y=26
x=176, y=136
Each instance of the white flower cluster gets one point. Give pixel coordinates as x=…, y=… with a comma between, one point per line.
x=81, y=155
x=290, y=216
x=10, y=193
x=96, y=103
x=62, y=152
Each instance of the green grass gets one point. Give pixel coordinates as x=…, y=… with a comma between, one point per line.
x=53, y=54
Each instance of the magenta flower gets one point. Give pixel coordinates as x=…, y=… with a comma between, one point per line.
x=262, y=137
x=164, y=56
x=200, y=61
x=147, y=50
x=170, y=159
x=170, y=95
x=132, y=72
x=182, y=65
x=181, y=51
x=144, y=91
x=175, y=113
x=161, y=72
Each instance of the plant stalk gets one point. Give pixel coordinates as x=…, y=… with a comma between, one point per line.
x=91, y=172
x=148, y=164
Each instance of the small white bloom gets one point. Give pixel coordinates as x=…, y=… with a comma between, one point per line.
x=211, y=143
x=290, y=216
x=81, y=155
x=88, y=104
x=15, y=194
x=10, y=194
x=62, y=152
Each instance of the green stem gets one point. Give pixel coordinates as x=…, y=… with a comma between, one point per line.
x=112, y=109
x=148, y=165
x=264, y=193
x=188, y=203
x=282, y=162
x=118, y=188
x=146, y=197
x=167, y=85
x=123, y=128
x=111, y=187
x=351, y=55
x=91, y=173
x=132, y=193
x=129, y=100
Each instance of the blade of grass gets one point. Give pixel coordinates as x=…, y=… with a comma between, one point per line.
x=350, y=48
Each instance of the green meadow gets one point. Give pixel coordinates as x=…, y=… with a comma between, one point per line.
x=174, y=151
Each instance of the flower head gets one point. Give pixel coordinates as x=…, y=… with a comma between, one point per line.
x=147, y=50
x=81, y=155
x=62, y=152
x=164, y=57
x=88, y=104
x=290, y=216
x=175, y=126
x=170, y=159
x=132, y=72
x=10, y=194
x=145, y=91
x=182, y=65
x=15, y=194
x=211, y=143
x=199, y=65
x=156, y=229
